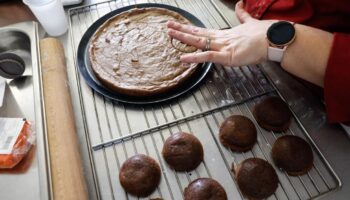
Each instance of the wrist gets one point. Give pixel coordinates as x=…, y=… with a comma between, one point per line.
x=279, y=36
x=264, y=43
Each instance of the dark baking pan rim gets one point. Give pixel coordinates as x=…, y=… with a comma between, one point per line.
x=86, y=71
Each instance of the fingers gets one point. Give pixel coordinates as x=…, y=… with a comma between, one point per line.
x=193, y=40
x=190, y=29
x=207, y=56
x=242, y=15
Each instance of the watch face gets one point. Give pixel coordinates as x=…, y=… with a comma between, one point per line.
x=281, y=33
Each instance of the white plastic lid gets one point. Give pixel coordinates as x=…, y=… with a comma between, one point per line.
x=37, y=2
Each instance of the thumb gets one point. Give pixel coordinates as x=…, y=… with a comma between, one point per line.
x=242, y=15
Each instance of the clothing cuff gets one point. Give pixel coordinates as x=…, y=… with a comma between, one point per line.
x=337, y=80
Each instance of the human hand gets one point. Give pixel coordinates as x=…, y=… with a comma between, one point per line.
x=241, y=45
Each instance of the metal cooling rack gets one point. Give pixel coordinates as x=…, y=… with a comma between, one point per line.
x=119, y=131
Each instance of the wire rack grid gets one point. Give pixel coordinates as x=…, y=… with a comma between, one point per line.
x=119, y=131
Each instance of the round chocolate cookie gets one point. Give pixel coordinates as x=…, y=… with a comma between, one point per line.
x=205, y=189
x=238, y=133
x=273, y=114
x=183, y=151
x=140, y=175
x=256, y=178
x=292, y=154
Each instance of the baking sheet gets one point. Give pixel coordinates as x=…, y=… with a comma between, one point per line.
x=106, y=120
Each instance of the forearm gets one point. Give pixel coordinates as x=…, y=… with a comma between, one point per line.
x=307, y=56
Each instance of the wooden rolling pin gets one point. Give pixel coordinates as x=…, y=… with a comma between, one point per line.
x=66, y=169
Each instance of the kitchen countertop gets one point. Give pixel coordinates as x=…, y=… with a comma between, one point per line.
x=8, y=8
x=331, y=139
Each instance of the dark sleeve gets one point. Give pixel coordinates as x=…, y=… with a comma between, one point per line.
x=337, y=80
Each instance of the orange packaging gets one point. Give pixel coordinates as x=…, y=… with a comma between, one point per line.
x=13, y=154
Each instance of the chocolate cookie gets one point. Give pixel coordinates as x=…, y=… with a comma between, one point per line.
x=183, y=151
x=238, y=133
x=273, y=114
x=140, y=175
x=205, y=189
x=292, y=154
x=256, y=178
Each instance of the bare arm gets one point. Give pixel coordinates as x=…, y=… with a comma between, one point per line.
x=246, y=44
x=307, y=56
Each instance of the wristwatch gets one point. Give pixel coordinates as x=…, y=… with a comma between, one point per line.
x=279, y=35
